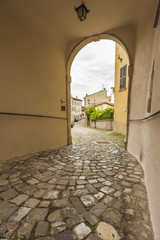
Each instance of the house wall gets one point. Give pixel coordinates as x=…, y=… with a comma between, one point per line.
x=76, y=108
x=120, y=96
x=96, y=98
x=32, y=74
x=144, y=135
x=103, y=107
x=102, y=124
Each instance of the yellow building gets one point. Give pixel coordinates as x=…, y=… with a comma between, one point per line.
x=103, y=106
x=121, y=90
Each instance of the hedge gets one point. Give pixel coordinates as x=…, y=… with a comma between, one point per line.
x=95, y=115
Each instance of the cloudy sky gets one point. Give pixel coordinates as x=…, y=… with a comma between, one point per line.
x=93, y=68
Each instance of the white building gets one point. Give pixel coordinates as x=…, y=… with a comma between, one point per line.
x=76, y=108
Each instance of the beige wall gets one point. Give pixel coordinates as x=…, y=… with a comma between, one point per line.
x=103, y=106
x=144, y=135
x=96, y=98
x=32, y=74
x=120, y=96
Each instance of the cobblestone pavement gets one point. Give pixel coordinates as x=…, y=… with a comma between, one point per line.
x=90, y=190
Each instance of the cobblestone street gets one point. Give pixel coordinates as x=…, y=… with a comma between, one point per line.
x=91, y=190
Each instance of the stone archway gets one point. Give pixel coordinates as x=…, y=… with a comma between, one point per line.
x=75, y=50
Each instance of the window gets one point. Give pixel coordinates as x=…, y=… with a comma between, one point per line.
x=123, y=72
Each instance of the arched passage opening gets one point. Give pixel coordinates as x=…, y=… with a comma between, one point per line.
x=73, y=54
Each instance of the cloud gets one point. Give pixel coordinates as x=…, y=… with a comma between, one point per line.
x=93, y=68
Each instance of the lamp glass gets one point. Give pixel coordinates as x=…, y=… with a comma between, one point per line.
x=82, y=12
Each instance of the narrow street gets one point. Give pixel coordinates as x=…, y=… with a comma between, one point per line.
x=91, y=190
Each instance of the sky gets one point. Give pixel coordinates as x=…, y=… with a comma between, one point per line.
x=93, y=69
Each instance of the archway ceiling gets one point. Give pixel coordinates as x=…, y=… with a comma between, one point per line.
x=58, y=18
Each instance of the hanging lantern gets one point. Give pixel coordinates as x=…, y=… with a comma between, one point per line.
x=82, y=12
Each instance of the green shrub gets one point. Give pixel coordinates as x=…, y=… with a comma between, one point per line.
x=108, y=113
x=89, y=111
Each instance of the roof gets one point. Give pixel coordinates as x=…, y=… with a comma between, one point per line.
x=76, y=99
x=96, y=93
x=111, y=104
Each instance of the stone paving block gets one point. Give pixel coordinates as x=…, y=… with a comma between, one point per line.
x=45, y=186
x=91, y=189
x=69, y=212
x=60, y=187
x=107, y=183
x=92, y=181
x=44, y=203
x=93, y=236
x=19, y=199
x=72, y=182
x=66, y=194
x=55, y=216
x=32, y=181
x=90, y=217
x=44, y=177
x=39, y=193
x=80, y=192
x=117, y=194
x=21, y=213
x=52, y=169
x=98, y=185
x=62, y=182
x=98, y=209
x=4, y=182
x=38, y=214
x=77, y=204
x=6, y=210
x=101, y=174
x=7, y=229
x=80, y=186
x=25, y=230
x=45, y=238
x=52, y=181
x=81, y=182
x=71, y=222
x=60, y=203
x=107, y=199
x=112, y=217
x=31, y=203
x=42, y=228
x=25, y=188
x=82, y=231
x=88, y=200
x=51, y=194
x=117, y=204
x=101, y=179
x=140, y=194
x=107, y=190
x=9, y=194
x=99, y=195
x=66, y=235
x=57, y=227
x=106, y=231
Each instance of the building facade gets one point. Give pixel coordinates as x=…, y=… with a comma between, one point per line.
x=103, y=106
x=97, y=98
x=76, y=108
x=121, y=90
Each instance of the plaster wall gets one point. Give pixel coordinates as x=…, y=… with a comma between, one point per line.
x=144, y=134
x=96, y=98
x=102, y=124
x=32, y=76
x=120, y=96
